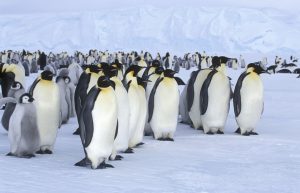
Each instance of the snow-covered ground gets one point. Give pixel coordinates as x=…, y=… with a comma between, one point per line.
x=269, y=162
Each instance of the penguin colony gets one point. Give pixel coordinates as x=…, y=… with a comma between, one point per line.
x=118, y=98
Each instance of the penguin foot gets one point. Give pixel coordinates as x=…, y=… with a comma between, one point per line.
x=103, y=165
x=129, y=150
x=238, y=131
x=161, y=139
x=220, y=132
x=246, y=133
x=9, y=154
x=27, y=156
x=47, y=151
x=117, y=158
x=148, y=134
x=77, y=132
x=169, y=139
x=40, y=152
x=200, y=128
x=139, y=144
x=82, y=163
x=210, y=133
x=253, y=133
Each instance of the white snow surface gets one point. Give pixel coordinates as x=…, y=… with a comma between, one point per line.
x=269, y=162
x=219, y=27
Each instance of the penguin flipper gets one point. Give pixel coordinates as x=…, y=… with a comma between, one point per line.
x=151, y=99
x=117, y=129
x=237, y=94
x=179, y=81
x=86, y=123
x=204, y=92
x=190, y=90
x=33, y=86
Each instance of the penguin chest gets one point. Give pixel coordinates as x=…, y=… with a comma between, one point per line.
x=104, y=116
x=218, y=96
x=251, y=98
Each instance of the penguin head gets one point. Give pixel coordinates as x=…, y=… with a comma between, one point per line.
x=159, y=70
x=169, y=73
x=112, y=72
x=254, y=67
x=134, y=69
x=94, y=69
x=67, y=79
x=47, y=75
x=155, y=63
x=117, y=64
x=104, y=82
x=26, y=98
x=16, y=86
x=215, y=62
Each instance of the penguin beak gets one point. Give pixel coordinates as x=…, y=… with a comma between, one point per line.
x=31, y=100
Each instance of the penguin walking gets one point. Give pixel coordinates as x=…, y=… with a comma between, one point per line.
x=15, y=92
x=98, y=124
x=23, y=134
x=164, y=106
x=47, y=103
x=215, y=97
x=248, y=99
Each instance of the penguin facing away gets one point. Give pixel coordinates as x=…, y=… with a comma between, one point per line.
x=98, y=124
x=47, y=103
x=164, y=106
x=248, y=100
x=23, y=132
x=214, y=98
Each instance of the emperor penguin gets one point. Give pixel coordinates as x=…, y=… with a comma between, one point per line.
x=87, y=80
x=99, y=124
x=248, y=99
x=215, y=96
x=193, y=96
x=16, y=91
x=23, y=132
x=137, y=105
x=10, y=73
x=47, y=103
x=121, y=141
x=164, y=106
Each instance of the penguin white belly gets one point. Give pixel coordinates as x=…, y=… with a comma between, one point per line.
x=134, y=106
x=141, y=120
x=47, y=103
x=14, y=132
x=121, y=142
x=165, y=112
x=218, y=104
x=194, y=113
x=104, y=121
x=251, y=103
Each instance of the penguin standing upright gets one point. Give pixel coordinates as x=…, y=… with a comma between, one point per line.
x=87, y=80
x=121, y=141
x=23, y=133
x=98, y=124
x=47, y=103
x=15, y=92
x=65, y=98
x=164, y=105
x=215, y=97
x=193, y=96
x=248, y=99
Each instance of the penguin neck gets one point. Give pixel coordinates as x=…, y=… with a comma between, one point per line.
x=222, y=69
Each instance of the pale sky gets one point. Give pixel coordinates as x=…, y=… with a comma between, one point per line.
x=33, y=6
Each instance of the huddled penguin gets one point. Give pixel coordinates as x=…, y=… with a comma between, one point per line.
x=137, y=105
x=15, y=92
x=87, y=80
x=215, y=97
x=248, y=100
x=164, y=105
x=47, y=103
x=98, y=124
x=121, y=141
x=193, y=96
x=66, y=107
x=23, y=132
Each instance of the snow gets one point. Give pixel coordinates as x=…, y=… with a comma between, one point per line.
x=217, y=27
x=269, y=162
